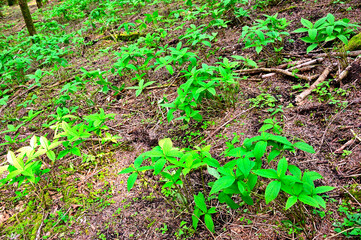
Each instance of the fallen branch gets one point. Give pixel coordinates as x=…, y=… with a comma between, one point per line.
x=303, y=69
x=348, y=143
x=318, y=60
x=320, y=79
x=276, y=70
x=295, y=63
x=336, y=54
x=298, y=65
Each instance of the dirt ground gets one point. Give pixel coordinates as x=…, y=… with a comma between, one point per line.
x=141, y=213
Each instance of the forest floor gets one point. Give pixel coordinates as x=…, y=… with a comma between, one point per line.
x=87, y=198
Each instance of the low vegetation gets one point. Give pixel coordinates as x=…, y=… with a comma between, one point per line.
x=159, y=119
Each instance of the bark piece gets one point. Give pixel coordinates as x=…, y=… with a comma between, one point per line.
x=27, y=17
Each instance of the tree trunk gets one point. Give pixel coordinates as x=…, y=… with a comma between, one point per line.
x=27, y=17
x=39, y=3
x=11, y=2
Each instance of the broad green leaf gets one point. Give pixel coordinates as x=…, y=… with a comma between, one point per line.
x=145, y=168
x=242, y=187
x=11, y=157
x=272, y=191
x=213, y=172
x=207, y=43
x=166, y=145
x=16, y=162
x=320, y=201
x=308, y=200
x=279, y=139
x=311, y=47
x=301, y=30
x=76, y=151
x=290, y=202
x=55, y=144
x=330, y=18
x=245, y=165
x=252, y=180
x=222, y=183
x=211, y=162
x=209, y=222
x=170, y=69
x=259, y=149
x=127, y=170
x=329, y=30
x=282, y=167
x=312, y=33
x=195, y=218
x=267, y=173
x=200, y=202
x=343, y=38
x=265, y=127
x=273, y=154
x=159, y=165
x=131, y=180
x=44, y=142
x=323, y=189
x=33, y=141
x=247, y=199
x=312, y=175
x=295, y=171
x=51, y=155
x=225, y=198
x=138, y=161
x=306, y=23
x=13, y=174
x=304, y=147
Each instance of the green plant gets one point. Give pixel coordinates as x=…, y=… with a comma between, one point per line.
x=200, y=209
x=183, y=231
x=324, y=30
x=264, y=32
x=263, y=100
x=141, y=87
x=351, y=225
x=197, y=35
x=30, y=170
x=238, y=177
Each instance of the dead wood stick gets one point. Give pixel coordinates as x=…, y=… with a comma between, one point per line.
x=345, y=72
x=335, y=54
x=275, y=70
x=302, y=69
x=314, y=61
x=355, y=135
x=285, y=65
x=348, y=143
x=299, y=65
x=320, y=79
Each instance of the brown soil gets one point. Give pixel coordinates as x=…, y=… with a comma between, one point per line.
x=142, y=123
